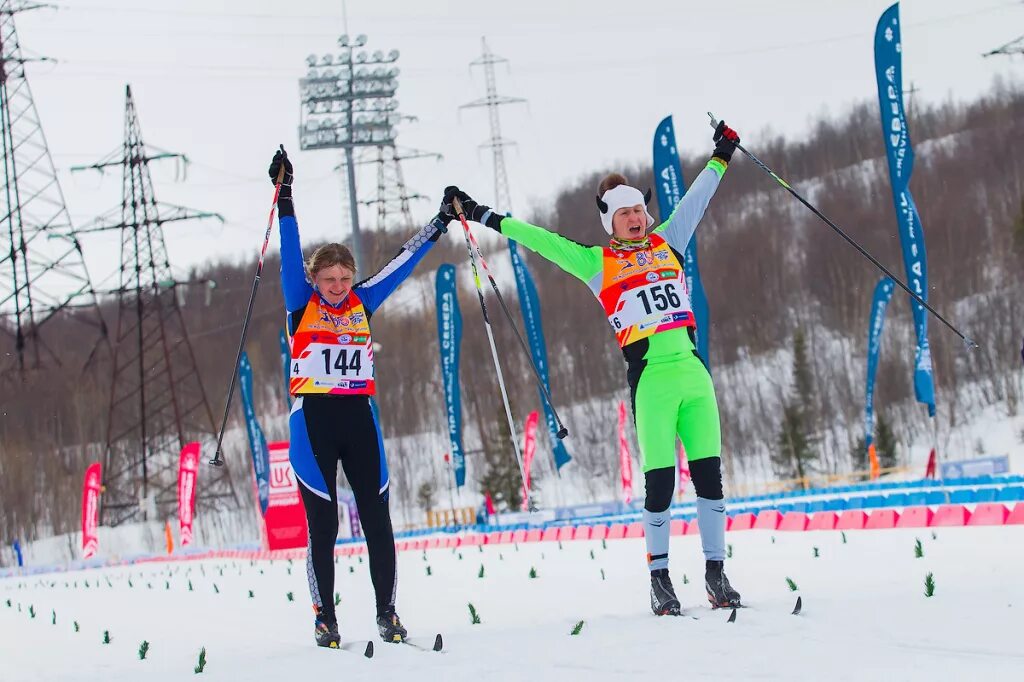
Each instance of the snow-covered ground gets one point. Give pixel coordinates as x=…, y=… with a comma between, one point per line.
x=865, y=615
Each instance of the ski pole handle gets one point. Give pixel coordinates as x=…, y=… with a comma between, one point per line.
x=457, y=205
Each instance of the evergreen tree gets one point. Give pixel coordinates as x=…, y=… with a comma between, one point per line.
x=795, y=452
x=425, y=495
x=501, y=474
x=885, y=443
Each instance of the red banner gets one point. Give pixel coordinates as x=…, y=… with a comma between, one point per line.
x=625, y=461
x=285, y=517
x=91, y=509
x=684, y=470
x=529, y=449
x=188, y=472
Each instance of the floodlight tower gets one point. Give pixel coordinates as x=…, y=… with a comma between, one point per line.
x=348, y=101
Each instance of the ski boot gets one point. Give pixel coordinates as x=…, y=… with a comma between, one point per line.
x=325, y=631
x=390, y=627
x=663, y=597
x=720, y=592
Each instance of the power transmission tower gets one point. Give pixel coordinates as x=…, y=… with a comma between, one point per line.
x=43, y=277
x=1014, y=47
x=493, y=101
x=393, y=197
x=157, y=400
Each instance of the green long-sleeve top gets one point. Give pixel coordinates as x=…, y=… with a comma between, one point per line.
x=587, y=262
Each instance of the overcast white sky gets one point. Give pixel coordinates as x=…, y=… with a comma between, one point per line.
x=218, y=80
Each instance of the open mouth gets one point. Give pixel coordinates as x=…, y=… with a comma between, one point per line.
x=635, y=230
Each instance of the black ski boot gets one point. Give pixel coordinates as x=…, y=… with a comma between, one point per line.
x=663, y=597
x=720, y=592
x=325, y=630
x=390, y=627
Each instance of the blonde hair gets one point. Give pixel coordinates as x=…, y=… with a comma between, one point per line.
x=611, y=181
x=328, y=255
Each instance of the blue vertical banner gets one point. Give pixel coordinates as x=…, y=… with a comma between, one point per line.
x=883, y=293
x=449, y=334
x=530, y=307
x=17, y=553
x=889, y=75
x=668, y=177
x=286, y=356
x=257, y=441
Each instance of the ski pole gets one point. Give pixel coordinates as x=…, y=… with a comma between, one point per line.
x=468, y=234
x=217, y=459
x=562, y=431
x=968, y=342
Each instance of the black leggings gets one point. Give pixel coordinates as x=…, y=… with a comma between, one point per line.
x=344, y=428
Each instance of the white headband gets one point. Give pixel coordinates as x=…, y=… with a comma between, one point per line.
x=622, y=196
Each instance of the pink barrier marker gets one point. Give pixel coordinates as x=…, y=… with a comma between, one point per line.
x=533, y=535
x=951, y=515
x=768, y=519
x=915, y=517
x=742, y=521
x=678, y=527
x=565, y=533
x=450, y=541
x=823, y=520
x=1017, y=515
x=793, y=521
x=582, y=533
x=989, y=514
x=492, y=538
x=599, y=532
x=473, y=539
x=519, y=536
x=549, y=535
x=432, y=543
x=692, y=528
x=506, y=537
x=401, y=546
x=851, y=519
x=882, y=518
x=616, y=531
x=635, y=530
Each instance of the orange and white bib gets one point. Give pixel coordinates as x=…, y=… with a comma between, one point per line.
x=644, y=292
x=331, y=350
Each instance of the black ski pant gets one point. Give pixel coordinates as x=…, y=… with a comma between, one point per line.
x=326, y=430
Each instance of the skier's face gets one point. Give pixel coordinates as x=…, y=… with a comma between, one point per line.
x=630, y=222
x=334, y=282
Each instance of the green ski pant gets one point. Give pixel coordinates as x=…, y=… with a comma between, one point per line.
x=670, y=399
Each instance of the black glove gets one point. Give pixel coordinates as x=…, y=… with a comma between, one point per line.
x=725, y=139
x=284, y=196
x=281, y=159
x=478, y=213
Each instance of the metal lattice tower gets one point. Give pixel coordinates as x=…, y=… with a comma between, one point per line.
x=43, y=276
x=493, y=101
x=157, y=401
x=1014, y=47
x=393, y=197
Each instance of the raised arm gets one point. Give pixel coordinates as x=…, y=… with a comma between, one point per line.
x=374, y=290
x=579, y=260
x=297, y=289
x=683, y=221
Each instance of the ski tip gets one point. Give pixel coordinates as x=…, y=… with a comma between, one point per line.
x=438, y=643
x=799, y=606
x=369, y=650
x=732, y=616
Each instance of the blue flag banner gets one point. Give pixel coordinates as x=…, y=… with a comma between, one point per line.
x=286, y=355
x=257, y=441
x=889, y=75
x=668, y=177
x=530, y=306
x=449, y=334
x=883, y=293
x=17, y=553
